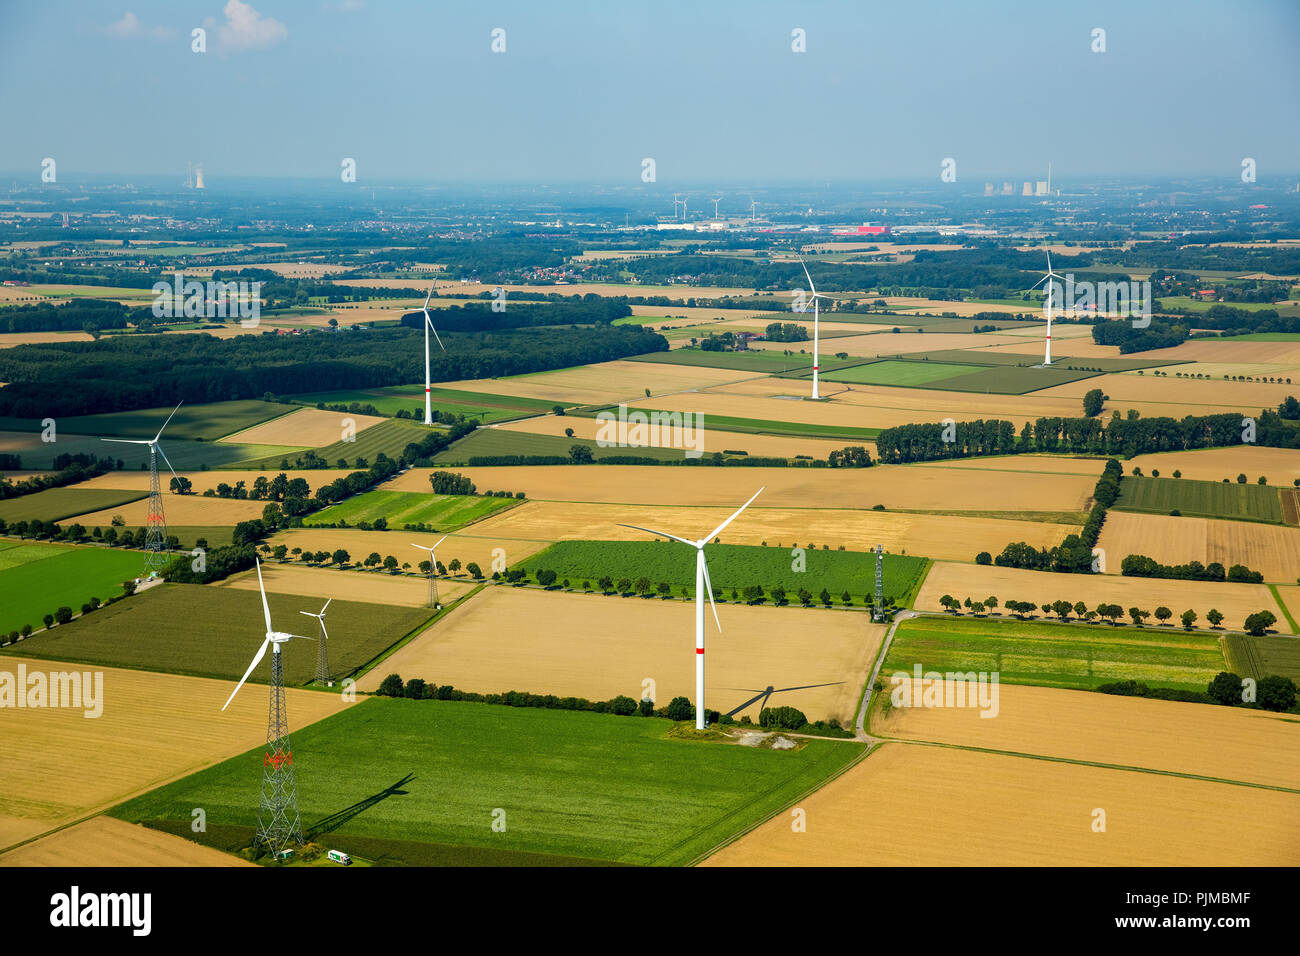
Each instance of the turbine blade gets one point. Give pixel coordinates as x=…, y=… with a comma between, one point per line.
x=805, y=272
x=266, y=608
x=308, y=613
x=428, y=297
x=129, y=441
x=718, y=530
x=327, y=604
x=166, y=459
x=439, y=541
x=169, y=418
x=433, y=330
x=257, y=659
x=708, y=588
x=322, y=627
x=664, y=533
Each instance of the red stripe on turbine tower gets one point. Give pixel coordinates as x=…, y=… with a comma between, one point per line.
x=699, y=650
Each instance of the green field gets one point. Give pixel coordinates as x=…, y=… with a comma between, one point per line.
x=890, y=372
x=1201, y=499
x=758, y=426
x=481, y=405
x=732, y=566
x=1202, y=305
x=755, y=361
x=185, y=455
x=41, y=578
x=390, y=437
x=441, y=512
x=1259, y=657
x=192, y=422
x=214, y=632
x=55, y=504
x=417, y=783
x=495, y=441
x=1056, y=655
x=1261, y=337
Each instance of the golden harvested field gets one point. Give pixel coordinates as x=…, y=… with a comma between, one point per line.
x=710, y=440
x=1030, y=464
x=370, y=586
x=1251, y=746
x=894, y=486
x=1291, y=598
x=587, y=645
x=1229, y=352
x=603, y=382
x=204, y=480
x=468, y=547
x=1175, y=393
x=1236, y=601
x=691, y=315
x=300, y=270
x=312, y=427
x=104, y=841
x=1273, y=550
x=57, y=765
x=1281, y=466
x=180, y=510
x=9, y=339
x=934, y=536
x=913, y=805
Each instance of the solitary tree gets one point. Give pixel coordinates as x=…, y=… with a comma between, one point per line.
x=1163, y=614
x=1214, y=616
x=1188, y=618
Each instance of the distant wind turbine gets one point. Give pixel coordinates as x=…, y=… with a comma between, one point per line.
x=155, y=547
x=1047, y=306
x=816, y=321
x=428, y=386
x=703, y=586
x=322, y=658
x=433, y=569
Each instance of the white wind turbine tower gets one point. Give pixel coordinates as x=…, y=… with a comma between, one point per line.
x=428, y=386
x=816, y=332
x=433, y=569
x=678, y=202
x=155, y=546
x=703, y=586
x=1047, y=306
x=277, y=815
x=322, y=657
x=753, y=209
x=715, y=207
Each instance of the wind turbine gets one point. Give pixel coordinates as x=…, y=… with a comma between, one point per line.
x=816, y=317
x=703, y=586
x=155, y=541
x=753, y=208
x=715, y=207
x=433, y=568
x=277, y=813
x=677, y=202
x=1047, y=306
x=322, y=658
x=428, y=387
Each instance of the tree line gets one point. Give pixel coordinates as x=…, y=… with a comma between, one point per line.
x=119, y=373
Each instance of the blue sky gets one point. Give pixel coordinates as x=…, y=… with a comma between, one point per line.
x=710, y=90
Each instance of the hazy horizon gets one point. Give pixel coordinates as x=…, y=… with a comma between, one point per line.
x=713, y=93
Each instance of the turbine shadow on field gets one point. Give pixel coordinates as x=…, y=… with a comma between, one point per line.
x=766, y=694
x=338, y=818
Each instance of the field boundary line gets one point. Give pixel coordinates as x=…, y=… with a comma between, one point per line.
x=1286, y=613
x=1095, y=763
x=867, y=751
x=363, y=669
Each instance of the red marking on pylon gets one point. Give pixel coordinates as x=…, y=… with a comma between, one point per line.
x=699, y=650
